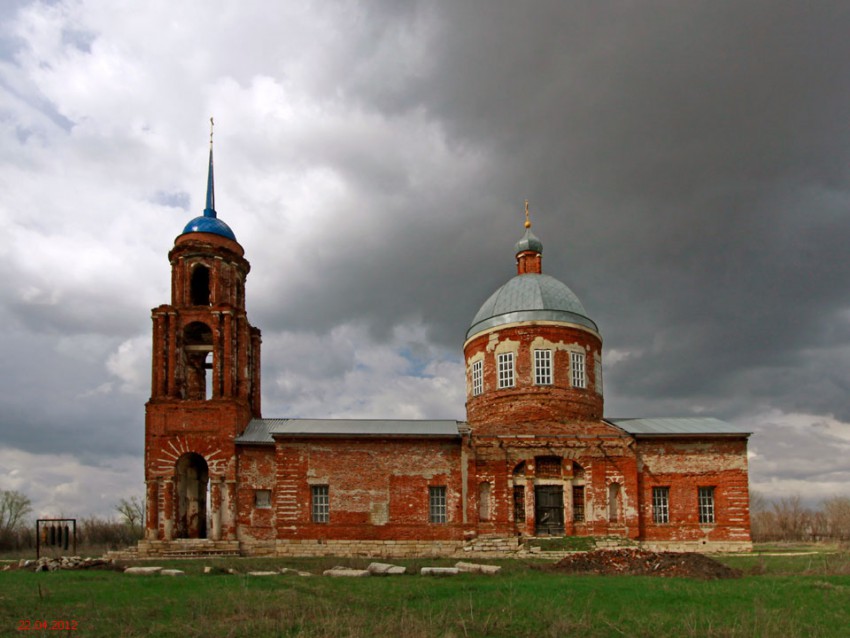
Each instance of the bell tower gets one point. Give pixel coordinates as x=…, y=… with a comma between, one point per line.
x=205, y=384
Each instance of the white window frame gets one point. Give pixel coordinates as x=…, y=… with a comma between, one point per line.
x=321, y=503
x=542, y=367
x=437, y=509
x=506, y=370
x=577, y=363
x=661, y=505
x=705, y=497
x=477, y=377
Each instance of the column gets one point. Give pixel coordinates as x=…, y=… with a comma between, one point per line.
x=152, y=510
x=168, y=510
x=215, y=507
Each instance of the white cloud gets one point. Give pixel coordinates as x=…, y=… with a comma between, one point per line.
x=59, y=484
x=348, y=374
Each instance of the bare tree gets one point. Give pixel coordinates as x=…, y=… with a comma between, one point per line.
x=837, y=514
x=132, y=510
x=792, y=519
x=14, y=507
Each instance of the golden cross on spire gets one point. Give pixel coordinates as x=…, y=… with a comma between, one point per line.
x=527, y=220
x=211, y=130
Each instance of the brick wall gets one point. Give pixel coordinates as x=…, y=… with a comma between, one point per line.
x=520, y=408
x=377, y=488
x=683, y=466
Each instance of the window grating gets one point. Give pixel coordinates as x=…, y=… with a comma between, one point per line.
x=660, y=504
x=577, y=365
x=578, y=503
x=543, y=367
x=519, y=503
x=506, y=370
x=321, y=503
x=477, y=378
x=706, y=505
x=437, y=504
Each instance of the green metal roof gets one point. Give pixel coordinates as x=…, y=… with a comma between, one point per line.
x=263, y=431
x=529, y=241
x=678, y=426
x=530, y=297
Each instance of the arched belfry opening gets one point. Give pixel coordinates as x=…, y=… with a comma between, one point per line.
x=198, y=357
x=192, y=486
x=199, y=287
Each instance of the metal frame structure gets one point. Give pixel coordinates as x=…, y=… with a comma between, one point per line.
x=53, y=539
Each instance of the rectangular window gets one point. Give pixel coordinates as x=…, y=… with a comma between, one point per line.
x=437, y=504
x=321, y=503
x=263, y=499
x=519, y=503
x=706, y=505
x=506, y=370
x=578, y=503
x=543, y=367
x=577, y=365
x=477, y=378
x=660, y=504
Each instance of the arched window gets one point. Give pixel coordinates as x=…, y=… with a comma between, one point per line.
x=614, y=502
x=200, y=285
x=197, y=359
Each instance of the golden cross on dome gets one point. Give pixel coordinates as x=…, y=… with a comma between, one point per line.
x=527, y=220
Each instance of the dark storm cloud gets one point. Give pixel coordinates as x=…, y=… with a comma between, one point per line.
x=60, y=399
x=687, y=166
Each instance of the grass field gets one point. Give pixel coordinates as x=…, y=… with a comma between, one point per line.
x=780, y=595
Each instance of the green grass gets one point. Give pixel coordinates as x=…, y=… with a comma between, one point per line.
x=778, y=596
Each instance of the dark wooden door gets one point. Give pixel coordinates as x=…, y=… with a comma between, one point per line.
x=549, y=510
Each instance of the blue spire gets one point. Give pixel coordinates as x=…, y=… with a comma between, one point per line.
x=209, y=221
x=209, y=211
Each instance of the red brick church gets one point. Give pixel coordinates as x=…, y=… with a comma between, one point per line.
x=535, y=456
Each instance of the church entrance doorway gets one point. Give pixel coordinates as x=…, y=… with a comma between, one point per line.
x=549, y=510
x=192, y=487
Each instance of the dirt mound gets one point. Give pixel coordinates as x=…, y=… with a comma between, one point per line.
x=645, y=563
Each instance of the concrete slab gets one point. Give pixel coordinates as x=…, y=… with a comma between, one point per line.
x=478, y=569
x=439, y=571
x=143, y=571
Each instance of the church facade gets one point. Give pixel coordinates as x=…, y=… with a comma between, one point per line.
x=534, y=457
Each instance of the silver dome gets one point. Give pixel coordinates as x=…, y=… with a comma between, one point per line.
x=530, y=297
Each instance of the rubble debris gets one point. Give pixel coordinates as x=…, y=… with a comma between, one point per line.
x=638, y=562
x=47, y=564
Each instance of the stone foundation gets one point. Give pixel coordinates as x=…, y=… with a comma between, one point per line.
x=490, y=547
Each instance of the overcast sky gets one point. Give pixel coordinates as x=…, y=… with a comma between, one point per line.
x=687, y=166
